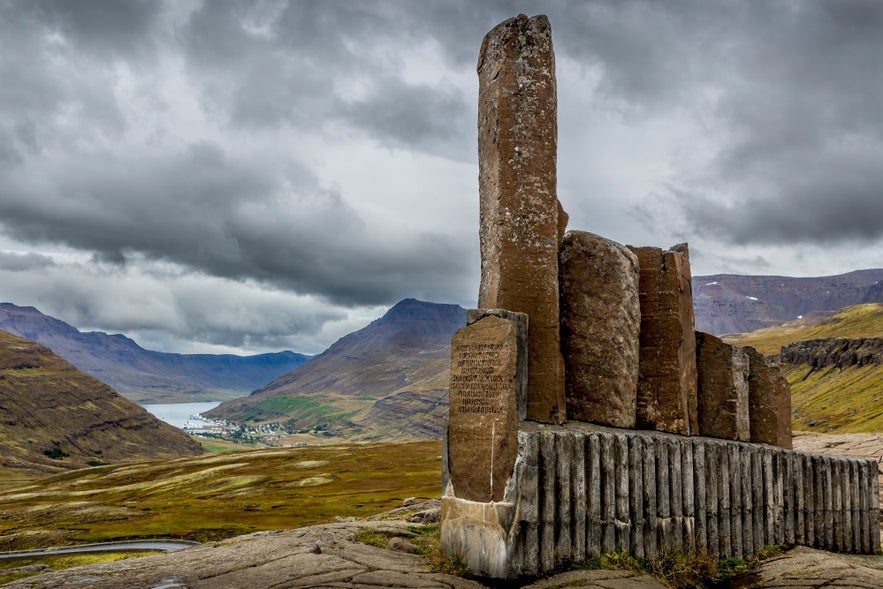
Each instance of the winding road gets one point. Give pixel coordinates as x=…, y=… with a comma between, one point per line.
x=122, y=546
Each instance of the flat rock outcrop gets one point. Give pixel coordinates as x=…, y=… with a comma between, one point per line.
x=520, y=225
x=840, y=352
x=600, y=327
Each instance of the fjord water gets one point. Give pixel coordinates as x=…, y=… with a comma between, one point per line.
x=178, y=414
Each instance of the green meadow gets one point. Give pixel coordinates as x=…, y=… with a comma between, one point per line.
x=217, y=495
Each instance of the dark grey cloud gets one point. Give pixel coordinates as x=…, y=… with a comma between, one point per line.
x=16, y=262
x=221, y=138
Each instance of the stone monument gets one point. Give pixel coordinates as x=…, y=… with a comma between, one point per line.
x=536, y=474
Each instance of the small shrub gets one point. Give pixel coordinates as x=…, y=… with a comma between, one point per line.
x=55, y=452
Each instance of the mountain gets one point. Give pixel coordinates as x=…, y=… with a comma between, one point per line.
x=54, y=417
x=143, y=375
x=834, y=364
x=731, y=303
x=388, y=380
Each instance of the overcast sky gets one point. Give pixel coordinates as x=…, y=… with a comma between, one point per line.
x=254, y=176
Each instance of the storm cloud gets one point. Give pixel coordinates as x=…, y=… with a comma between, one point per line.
x=248, y=175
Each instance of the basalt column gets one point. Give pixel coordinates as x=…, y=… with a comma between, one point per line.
x=520, y=225
x=769, y=402
x=723, y=388
x=667, y=377
x=600, y=324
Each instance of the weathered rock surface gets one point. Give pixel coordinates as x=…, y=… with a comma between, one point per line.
x=667, y=378
x=329, y=556
x=722, y=389
x=483, y=425
x=769, y=401
x=860, y=445
x=520, y=225
x=805, y=568
x=319, y=556
x=600, y=327
x=840, y=352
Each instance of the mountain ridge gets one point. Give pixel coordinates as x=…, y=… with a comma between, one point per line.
x=734, y=303
x=56, y=417
x=145, y=375
x=388, y=379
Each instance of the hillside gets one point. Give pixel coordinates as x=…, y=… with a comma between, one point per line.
x=832, y=362
x=851, y=322
x=56, y=418
x=143, y=375
x=730, y=303
x=388, y=380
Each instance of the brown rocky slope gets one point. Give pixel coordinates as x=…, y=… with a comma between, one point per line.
x=731, y=303
x=54, y=417
x=388, y=380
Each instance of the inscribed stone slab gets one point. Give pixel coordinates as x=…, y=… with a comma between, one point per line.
x=483, y=424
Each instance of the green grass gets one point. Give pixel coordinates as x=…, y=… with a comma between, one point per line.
x=828, y=399
x=856, y=321
x=683, y=569
x=427, y=541
x=831, y=400
x=217, y=495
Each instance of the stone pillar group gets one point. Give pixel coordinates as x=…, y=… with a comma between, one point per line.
x=579, y=341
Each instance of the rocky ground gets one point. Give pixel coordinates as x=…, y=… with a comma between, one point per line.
x=330, y=556
x=864, y=445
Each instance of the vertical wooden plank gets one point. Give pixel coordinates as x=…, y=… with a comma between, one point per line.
x=764, y=496
x=819, y=502
x=636, y=495
x=663, y=495
x=563, y=462
x=837, y=504
x=677, y=492
x=725, y=510
x=608, y=494
x=846, y=474
x=788, y=497
x=548, y=511
x=864, y=508
x=529, y=501
x=622, y=525
x=875, y=505
x=699, y=494
x=778, y=466
x=748, y=453
x=580, y=497
x=736, y=500
x=799, y=498
x=593, y=515
x=688, y=493
x=829, y=503
x=649, y=466
x=855, y=489
x=712, y=503
x=809, y=518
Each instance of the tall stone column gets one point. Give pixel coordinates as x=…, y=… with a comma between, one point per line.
x=519, y=231
x=667, y=378
x=600, y=327
x=769, y=402
x=723, y=388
